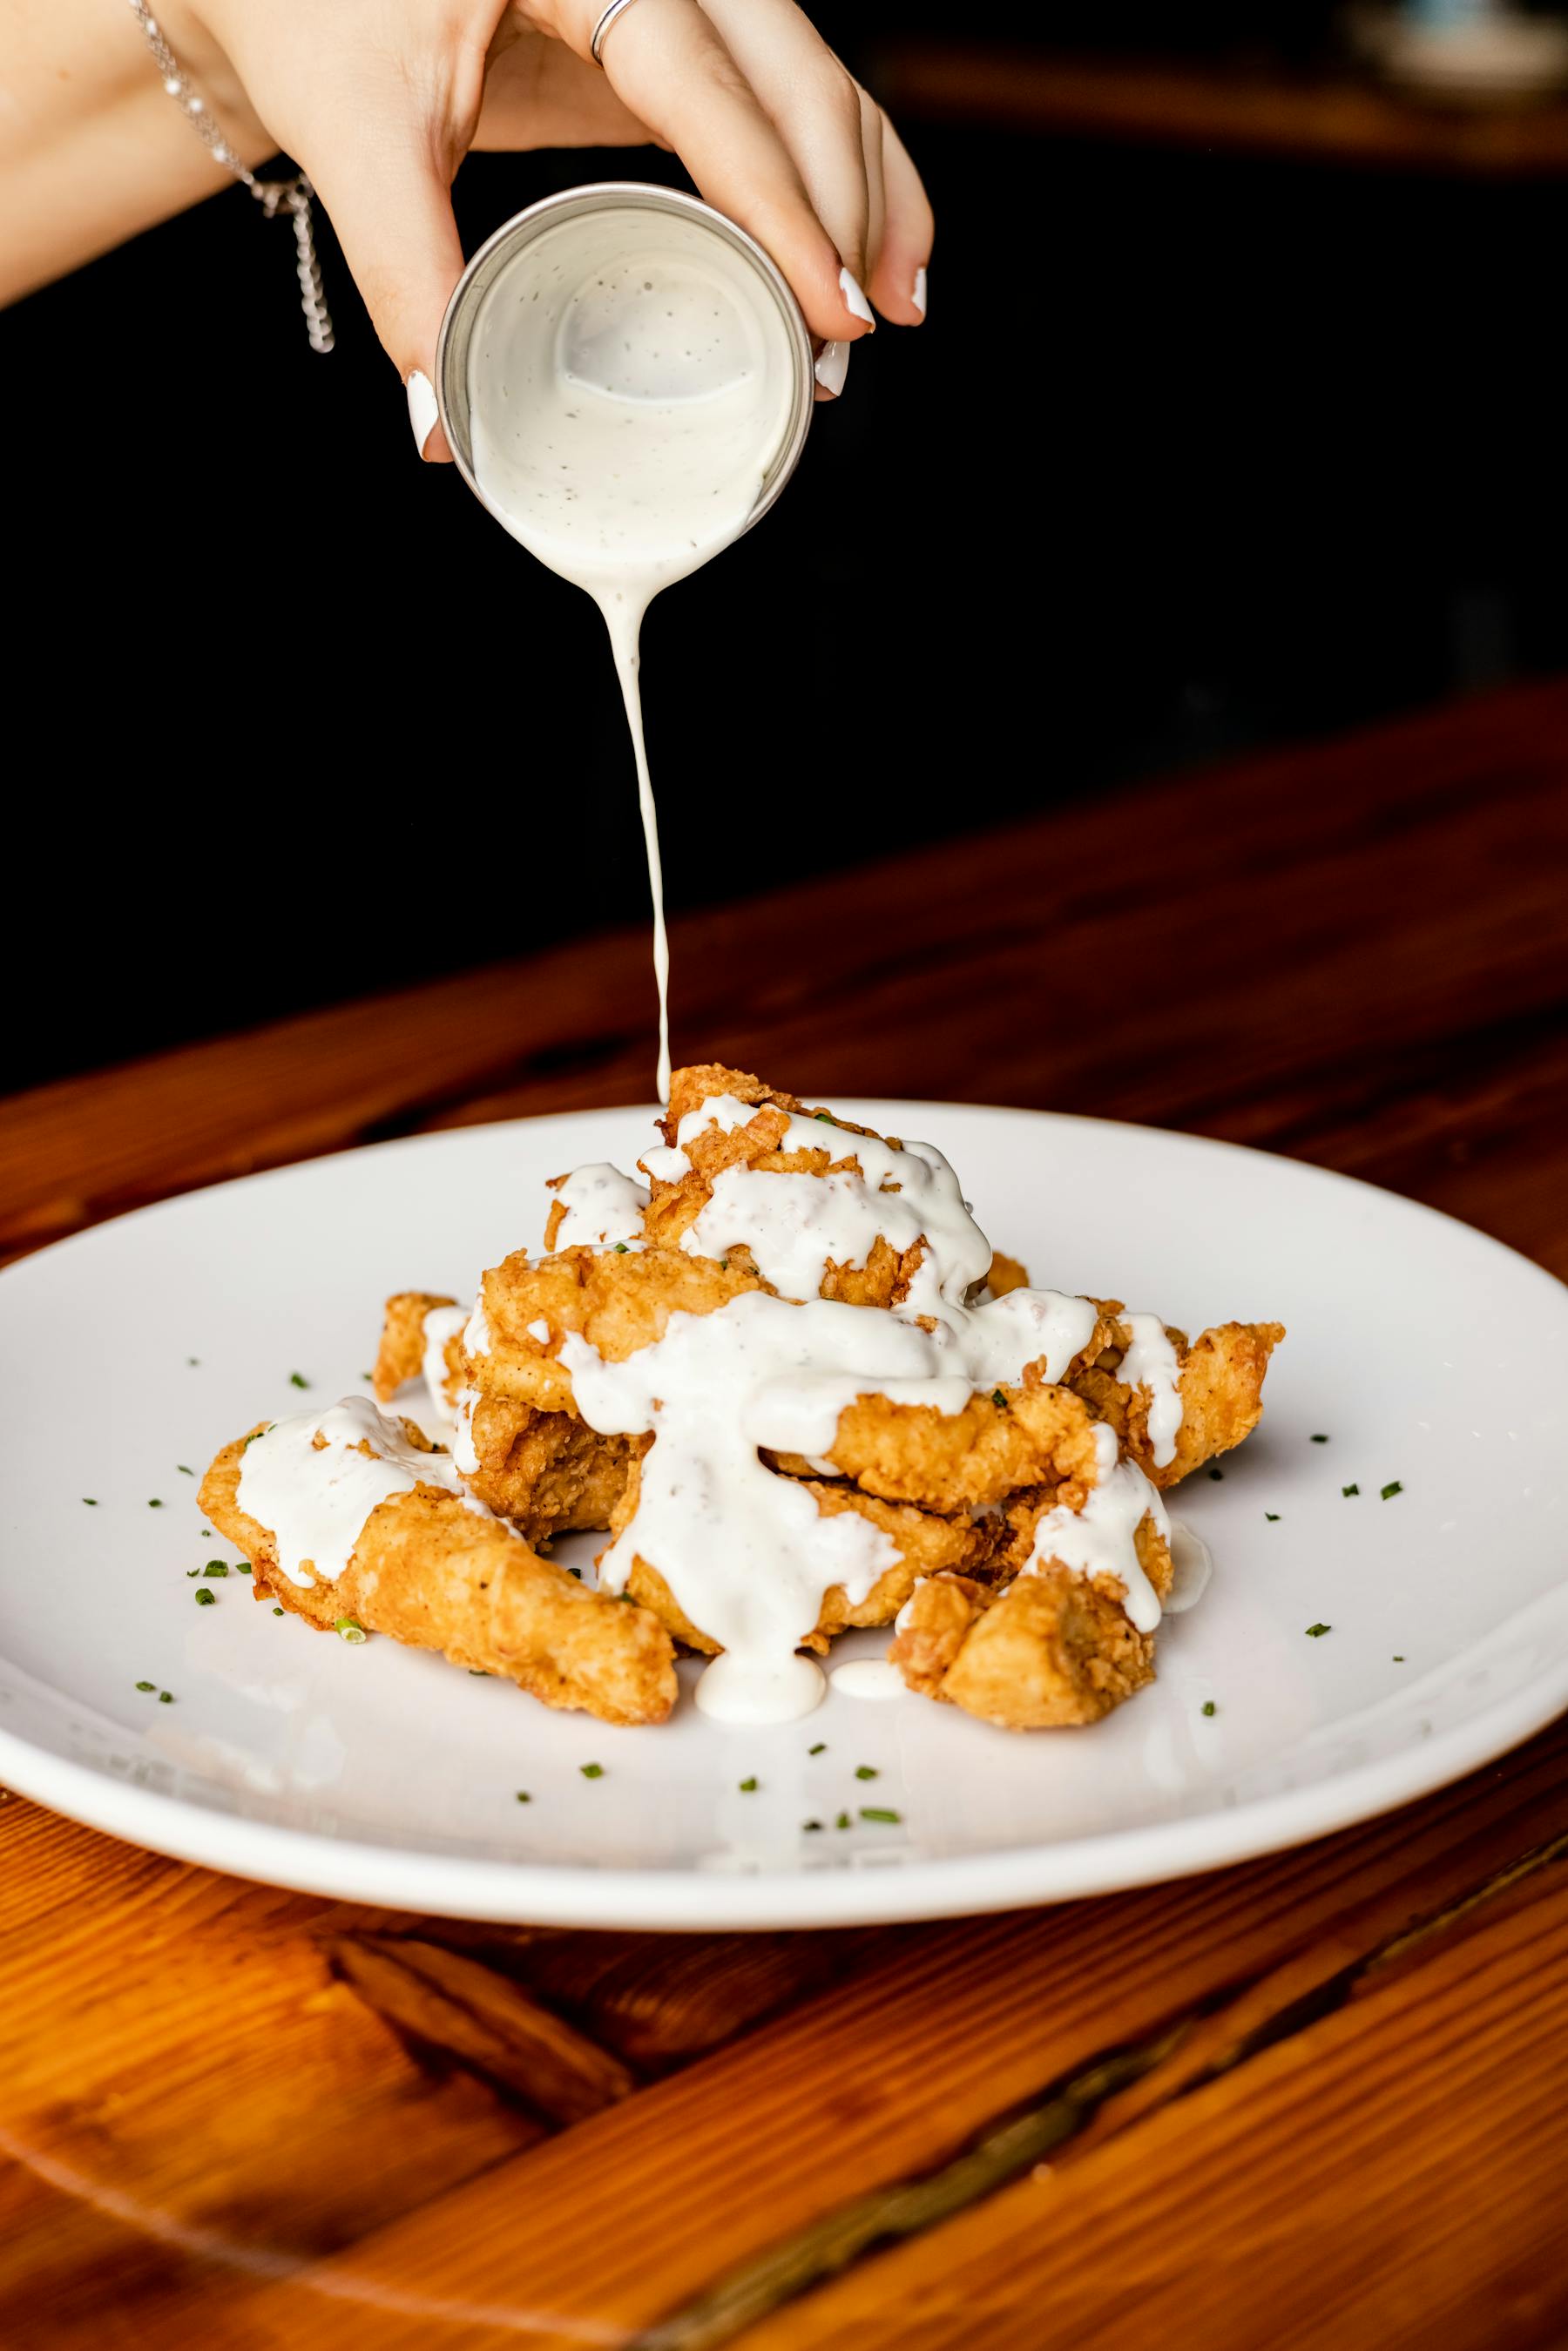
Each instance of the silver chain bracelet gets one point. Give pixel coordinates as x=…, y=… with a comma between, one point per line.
x=291, y=197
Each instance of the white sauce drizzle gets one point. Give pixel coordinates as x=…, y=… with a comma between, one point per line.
x=869, y=1678
x=747, y=1554
x=1099, y=1539
x=630, y=384
x=315, y=1498
x=745, y=1690
x=603, y=1207
x=441, y=1324
x=794, y=1224
x=465, y=1453
x=1150, y=1360
x=1192, y=1564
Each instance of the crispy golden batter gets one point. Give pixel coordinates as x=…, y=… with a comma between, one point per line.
x=434, y=1573
x=883, y=1280
x=965, y=1460
x=926, y=1542
x=905, y=1453
x=401, y=1353
x=1222, y=1378
x=618, y=1303
x=547, y=1472
x=1051, y=1650
x=1006, y=1274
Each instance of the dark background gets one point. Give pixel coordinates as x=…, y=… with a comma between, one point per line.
x=1201, y=448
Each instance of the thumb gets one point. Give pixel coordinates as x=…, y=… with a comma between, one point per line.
x=392, y=210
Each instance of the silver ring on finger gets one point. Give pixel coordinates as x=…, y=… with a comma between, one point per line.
x=616, y=8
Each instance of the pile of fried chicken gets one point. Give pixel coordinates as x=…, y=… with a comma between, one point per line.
x=981, y=1620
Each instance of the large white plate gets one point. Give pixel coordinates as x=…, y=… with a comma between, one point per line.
x=1424, y=1354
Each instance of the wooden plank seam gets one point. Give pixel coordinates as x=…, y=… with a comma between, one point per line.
x=1022, y=2139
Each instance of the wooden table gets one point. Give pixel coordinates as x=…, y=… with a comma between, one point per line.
x=1220, y=108
x=1315, y=2099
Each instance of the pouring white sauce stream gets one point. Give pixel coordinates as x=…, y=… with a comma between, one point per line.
x=630, y=387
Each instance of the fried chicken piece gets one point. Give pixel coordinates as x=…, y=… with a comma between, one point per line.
x=926, y=1543
x=1039, y=1644
x=1006, y=1274
x=547, y=1472
x=1022, y=1436
x=676, y=1203
x=1222, y=1378
x=436, y=1574
x=1053, y=1650
x=618, y=1302
x=401, y=1356
x=966, y=1460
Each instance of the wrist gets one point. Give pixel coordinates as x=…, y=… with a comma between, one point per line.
x=207, y=67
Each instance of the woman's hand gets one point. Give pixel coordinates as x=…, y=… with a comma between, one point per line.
x=381, y=100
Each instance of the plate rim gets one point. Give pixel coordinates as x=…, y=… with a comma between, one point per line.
x=685, y=1900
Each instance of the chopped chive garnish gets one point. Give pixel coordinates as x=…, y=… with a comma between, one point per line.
x=183, y=1471
x=91, y=1502
x=1271, y=1515
x=242, y=1569
x=192, y=1570
x=998, y=1397
x=478, y=1673
x=1398, y=1661
x=1388, y=1491
x=204, y=1598
x=1316, y=1632
x=827, y=1115
x=1209, y=1706
x=591, y=1770
x=1217, y=1475
x=843, y=1821
x=879, y=1812
x=1348, y=1491
x=1320, y=1440
x=349, y=1628
x=865, y=1772
x=155, y=1505
x=748, y=1787
x=277, y=1612
x=524, y=1797
x=577, y=1572
x=810, y=1826
x=147, y=1686
x=206, y=1535
x=165, y=1698
x=820, y=1747
x=192, y=1361
x=215, y=1567
x=621, y=1249
x=297, y=1380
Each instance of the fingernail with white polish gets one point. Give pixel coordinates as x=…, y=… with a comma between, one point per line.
x=918, y=297
x=855, y=302
x=423, y=411
x=832, y=366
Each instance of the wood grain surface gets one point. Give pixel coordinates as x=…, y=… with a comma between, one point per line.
x=1316, y=2099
